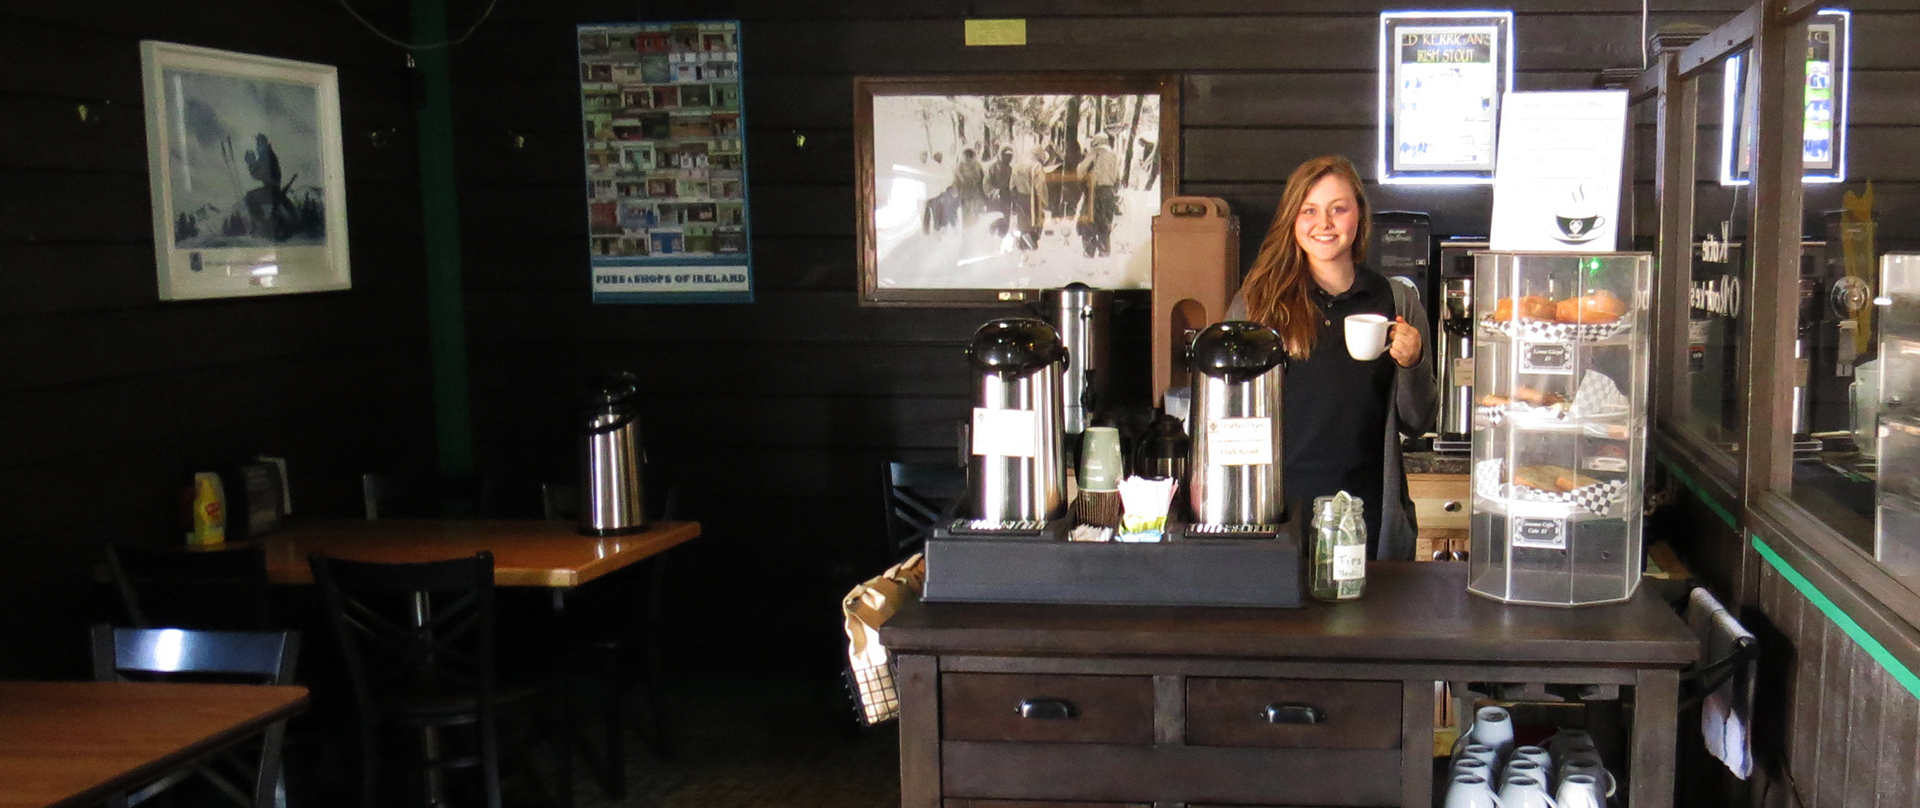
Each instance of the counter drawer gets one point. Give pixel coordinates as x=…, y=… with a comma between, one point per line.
x=1244, y=712
x=1187, y=775
x=1057, y=708
x=1440, y=500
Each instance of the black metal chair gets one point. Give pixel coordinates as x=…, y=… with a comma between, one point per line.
x=916, y=494
x=419, y=644
x=184, y=587
x=252, y=779
x=598, y=633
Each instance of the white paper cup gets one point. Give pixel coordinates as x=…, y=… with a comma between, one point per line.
x=1367, y=336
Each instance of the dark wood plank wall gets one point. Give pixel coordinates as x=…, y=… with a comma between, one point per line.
x=775, y=417
x=110, y=399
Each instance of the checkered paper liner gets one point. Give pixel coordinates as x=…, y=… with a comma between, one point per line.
x=1546, y=331
x=1490, y=481
x=1597, y=397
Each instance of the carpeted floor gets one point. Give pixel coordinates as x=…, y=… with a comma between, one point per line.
x=738, y=743
x=753, y=743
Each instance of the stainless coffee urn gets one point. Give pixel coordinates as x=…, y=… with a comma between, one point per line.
x=1017, y=463
x=611, y=501
x=1082, y=315
x=1456, y=366
x=1237, y=430
x=1454, y=333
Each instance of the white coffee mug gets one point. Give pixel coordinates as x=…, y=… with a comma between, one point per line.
x=1481, y=752
x=1474, y=767
x=1580, y=791
x=1564, y=739
x=1535, y=754
x=1521, y=767
x=1589, y=767
x=1525, y=792
x=1367, y=336
x=1471, y=791
x=1493, y=727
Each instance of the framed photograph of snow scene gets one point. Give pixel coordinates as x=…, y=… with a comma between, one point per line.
x=983, y=189
x=245, y=166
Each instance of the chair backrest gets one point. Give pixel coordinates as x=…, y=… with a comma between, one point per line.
x=268, y=656
x=915, y=495
x=409, y=626
x=185, y=587
x=253, y=657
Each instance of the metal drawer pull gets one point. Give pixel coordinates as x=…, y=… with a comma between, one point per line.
x=1451, y=506
x=1277, y=713
x=1459, y=555
x=1048, y=709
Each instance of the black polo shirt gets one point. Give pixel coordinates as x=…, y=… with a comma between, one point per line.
x=1336, y=406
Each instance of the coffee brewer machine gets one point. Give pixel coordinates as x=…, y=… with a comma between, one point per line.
x=611, y=501
x=1402, y=249
x=1082, y=315
x=1453, y=334
x=1016, y=467
x=1235, y=472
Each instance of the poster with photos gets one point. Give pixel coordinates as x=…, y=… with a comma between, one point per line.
x=665, y=163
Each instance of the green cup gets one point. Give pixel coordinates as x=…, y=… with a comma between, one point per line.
x=1100, y=464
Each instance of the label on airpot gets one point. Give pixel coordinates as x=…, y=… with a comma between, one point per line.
x=1241, y=441
x=1006, y=433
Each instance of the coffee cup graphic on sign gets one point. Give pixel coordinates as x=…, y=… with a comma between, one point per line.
x=1576, y=221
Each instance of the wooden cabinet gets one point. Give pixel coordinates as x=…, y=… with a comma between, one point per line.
x=1024, y=706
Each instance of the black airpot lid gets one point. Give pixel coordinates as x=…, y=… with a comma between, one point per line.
x=1014, y=347
x=1237, y=350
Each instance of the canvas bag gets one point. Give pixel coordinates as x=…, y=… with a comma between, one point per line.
x=865, y=610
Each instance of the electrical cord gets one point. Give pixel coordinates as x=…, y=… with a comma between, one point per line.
x=412, y=47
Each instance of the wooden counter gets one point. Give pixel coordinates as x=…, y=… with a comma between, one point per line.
x=1194, y=681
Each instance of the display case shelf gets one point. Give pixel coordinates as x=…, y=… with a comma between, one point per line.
x=1558, y=484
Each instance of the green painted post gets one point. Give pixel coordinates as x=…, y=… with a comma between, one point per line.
x=440, y=220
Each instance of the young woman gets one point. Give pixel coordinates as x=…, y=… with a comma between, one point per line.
x=1344, y=417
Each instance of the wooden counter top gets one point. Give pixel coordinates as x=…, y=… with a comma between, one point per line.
x=1411, y=611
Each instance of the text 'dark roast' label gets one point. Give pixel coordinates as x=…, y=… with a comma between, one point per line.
x=1240, y=441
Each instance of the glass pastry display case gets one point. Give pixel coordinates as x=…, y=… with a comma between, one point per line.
x=1896, y=541
x=1560, y=421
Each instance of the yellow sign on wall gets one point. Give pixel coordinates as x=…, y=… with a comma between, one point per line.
x=996, y=32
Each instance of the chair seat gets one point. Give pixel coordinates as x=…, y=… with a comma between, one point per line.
x=448, y=708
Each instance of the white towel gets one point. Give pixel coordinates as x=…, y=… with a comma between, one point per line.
x=1726, y=717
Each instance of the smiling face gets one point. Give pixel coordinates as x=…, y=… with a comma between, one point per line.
x=1329, y=221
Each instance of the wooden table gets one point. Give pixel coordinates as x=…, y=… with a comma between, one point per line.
x=526, y=552
x=1163, y=705
x=73, y=743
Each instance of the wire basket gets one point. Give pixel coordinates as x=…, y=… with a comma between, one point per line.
x=876, y=700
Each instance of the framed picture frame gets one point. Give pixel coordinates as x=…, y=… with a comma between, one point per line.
x=982, y=189
x=1442, y=75
x=1828, y=95
x=246, y=172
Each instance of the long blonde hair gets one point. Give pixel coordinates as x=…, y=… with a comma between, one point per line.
x=1277, y=285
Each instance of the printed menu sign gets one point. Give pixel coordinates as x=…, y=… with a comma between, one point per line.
x=1557, y=187
x=1446, y=98
x=666, y=168
x=1819, y=151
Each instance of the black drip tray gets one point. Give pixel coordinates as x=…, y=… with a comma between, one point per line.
x=1239, y=568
